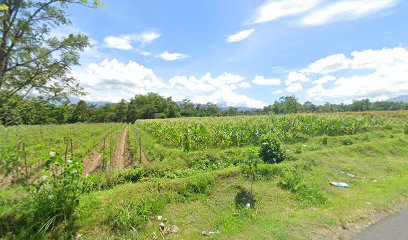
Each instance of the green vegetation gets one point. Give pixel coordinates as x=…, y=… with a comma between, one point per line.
x=224, y=185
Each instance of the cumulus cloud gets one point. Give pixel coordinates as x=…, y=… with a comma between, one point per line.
x=346, y=10
x=329, y=64
x=295, y=77
x=294, y=88
x=172, y=56
x=126, y=41
x=244, y=85
x=112, y=80
x=229, y=98
x=239, y=36
x=261, y=80
x=324, y=79
x=206, y=83
x=272, y=10
x=375, y=74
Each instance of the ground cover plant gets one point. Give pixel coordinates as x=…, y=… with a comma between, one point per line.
x=204, y=176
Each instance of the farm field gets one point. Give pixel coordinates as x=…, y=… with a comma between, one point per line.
x=249, y=177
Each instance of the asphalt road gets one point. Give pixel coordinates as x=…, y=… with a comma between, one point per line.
x=394, y=227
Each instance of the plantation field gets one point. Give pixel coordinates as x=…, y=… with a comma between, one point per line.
x=200, y=174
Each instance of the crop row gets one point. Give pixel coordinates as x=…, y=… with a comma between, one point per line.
x=209, y=133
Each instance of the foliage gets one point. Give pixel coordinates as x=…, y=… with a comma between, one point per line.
x=53, y=200
x=209, y=133
x=293, y=180
x=135, y=215
x=406, y=129
x=271, y=151
x=250, y=167
x=32, y=59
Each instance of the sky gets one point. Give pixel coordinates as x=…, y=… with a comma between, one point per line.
x=245, y=53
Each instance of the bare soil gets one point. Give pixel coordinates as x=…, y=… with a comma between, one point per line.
x=121, y=157
x=92, y=162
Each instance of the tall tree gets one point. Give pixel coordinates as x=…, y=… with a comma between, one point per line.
x=33, y=61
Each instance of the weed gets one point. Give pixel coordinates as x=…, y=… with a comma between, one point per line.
x=293, y=180
x=271, y=151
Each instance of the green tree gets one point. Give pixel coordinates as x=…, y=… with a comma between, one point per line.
x=32, y=60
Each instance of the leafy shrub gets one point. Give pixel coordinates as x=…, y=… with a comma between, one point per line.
x=135, y=215
x=346, y=141
x=293, y=180
x=325, y=141
x=271, y=151
x=406, y=129
x=250, y=168
x=52, y=201
x=195, y=186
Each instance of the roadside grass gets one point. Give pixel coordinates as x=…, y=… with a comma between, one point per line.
x=207, y=201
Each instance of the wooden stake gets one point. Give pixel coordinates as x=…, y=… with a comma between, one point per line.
x=140, y=150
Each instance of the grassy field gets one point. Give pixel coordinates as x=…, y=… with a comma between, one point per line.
x=191, y=172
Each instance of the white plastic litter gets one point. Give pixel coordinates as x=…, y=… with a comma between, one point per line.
x=340, y=184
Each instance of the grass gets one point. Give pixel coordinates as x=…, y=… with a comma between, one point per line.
x=195, y=205
x=206, y=190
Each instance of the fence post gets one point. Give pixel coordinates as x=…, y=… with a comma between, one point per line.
x=140, y=150
x=72, y=151
x=66, y=150
x=103, y=156
x=25, y=163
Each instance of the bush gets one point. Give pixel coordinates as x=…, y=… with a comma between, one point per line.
x=51, y=203
x=271, y=151
x=293, y=180
x=406, y=129
x=135, y=215
x=325, y=141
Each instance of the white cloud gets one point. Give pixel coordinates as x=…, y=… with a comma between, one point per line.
x=112, y=80
x=329, y=64
x=126, y=41
x=206, y=83
x=239, y=36
x=261, y=80
x=145, y=53
x=375, y=74
x=244, y=85
x=346, y=10
x=272, y=10
x=294, y=77
x=229, y=98
x=172, y=56
x=324, y=79
x=277, y=92
x=294, y=88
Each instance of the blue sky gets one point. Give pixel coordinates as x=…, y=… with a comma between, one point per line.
x=244, y=52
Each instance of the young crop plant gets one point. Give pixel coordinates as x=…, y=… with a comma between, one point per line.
x=250, y=168
x=271, y=151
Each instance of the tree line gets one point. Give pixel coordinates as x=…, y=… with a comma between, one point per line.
x=153, y=106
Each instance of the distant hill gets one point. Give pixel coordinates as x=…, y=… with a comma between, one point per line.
x=74, y=100
x=402, y=98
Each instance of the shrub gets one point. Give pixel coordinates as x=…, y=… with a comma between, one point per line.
x=250, y=168
x=325, y=141
x=135, y=215
x=271, y=151
x=293, y=180
x=51, y=202
x=406, y=129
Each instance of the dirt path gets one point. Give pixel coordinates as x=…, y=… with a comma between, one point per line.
x=144, y=160
x=92, y=162
x=120, y=157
